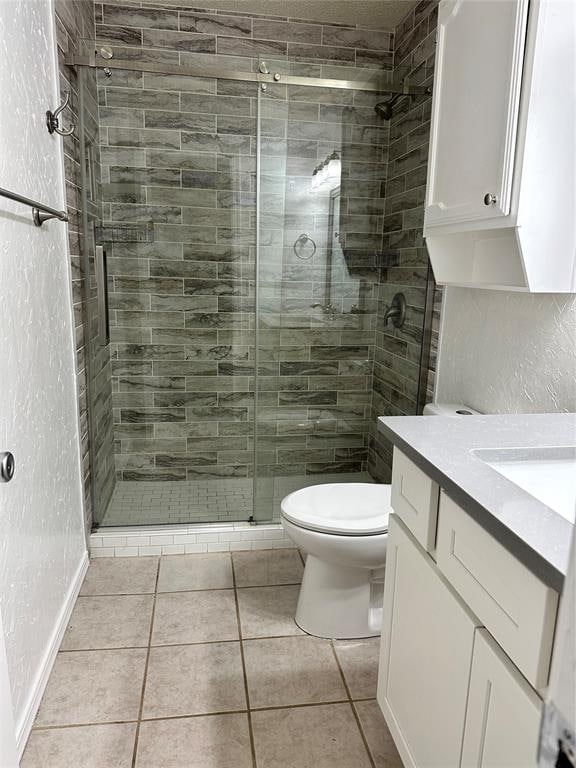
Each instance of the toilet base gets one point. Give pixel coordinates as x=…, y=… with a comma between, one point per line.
x=340, y=603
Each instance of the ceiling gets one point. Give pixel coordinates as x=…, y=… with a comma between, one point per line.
x=383, y=14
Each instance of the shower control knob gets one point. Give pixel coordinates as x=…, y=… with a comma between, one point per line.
x=6, y=466
x=490, y=199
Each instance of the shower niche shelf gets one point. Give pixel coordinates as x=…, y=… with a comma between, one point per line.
x=500, y=199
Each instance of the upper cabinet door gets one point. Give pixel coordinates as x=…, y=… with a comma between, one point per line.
x=475, y=109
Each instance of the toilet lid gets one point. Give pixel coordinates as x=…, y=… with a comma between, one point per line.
x=351, y=509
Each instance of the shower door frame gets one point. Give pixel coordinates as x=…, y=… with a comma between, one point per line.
x=382, y=86
x=261, y=79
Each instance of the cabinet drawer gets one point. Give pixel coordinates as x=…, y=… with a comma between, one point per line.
x=517, y=608
x=415, y=499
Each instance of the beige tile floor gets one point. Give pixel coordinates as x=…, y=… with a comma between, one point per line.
x=194, y=661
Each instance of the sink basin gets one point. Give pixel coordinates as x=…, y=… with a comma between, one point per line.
x=548, y=474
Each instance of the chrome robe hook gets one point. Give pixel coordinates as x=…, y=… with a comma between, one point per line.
x=52, y=119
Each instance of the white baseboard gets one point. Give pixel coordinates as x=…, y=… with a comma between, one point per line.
x=24, y=726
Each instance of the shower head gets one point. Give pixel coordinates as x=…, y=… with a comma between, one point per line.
x=384, y=108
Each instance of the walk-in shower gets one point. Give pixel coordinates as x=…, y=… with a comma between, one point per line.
x=239, y=257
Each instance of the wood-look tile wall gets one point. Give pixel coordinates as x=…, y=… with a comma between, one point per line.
x=398, y=351
x=177, y=29
x=74, y=20
x=180, y=153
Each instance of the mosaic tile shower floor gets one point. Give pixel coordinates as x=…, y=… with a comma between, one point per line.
x=205, y=501
x=195, y=661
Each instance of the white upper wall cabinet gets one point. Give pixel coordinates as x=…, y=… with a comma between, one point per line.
x=480, y=52
x=501, y=201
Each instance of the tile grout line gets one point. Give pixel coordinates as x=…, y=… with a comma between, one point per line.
x=61, y=726
x=280, y=707
x=246, y=691
x=179, y=645
x=183, y=591
x=144, y=680
x=352, y=707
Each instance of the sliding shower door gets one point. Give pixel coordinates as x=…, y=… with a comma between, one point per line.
x=243, y=242
x=322, y=174
x=95, y=377
x=173, y=176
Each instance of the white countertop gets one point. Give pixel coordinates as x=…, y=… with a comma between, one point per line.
x=445, y=448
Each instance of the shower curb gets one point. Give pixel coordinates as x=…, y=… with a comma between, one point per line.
x=142, y=541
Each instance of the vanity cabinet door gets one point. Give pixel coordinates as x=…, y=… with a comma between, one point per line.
x=475, y=110
x=426, y=653
x=503, y=713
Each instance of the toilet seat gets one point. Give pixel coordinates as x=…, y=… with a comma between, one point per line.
x=345, y=509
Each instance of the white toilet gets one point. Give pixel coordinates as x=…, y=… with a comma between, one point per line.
x=343, y=528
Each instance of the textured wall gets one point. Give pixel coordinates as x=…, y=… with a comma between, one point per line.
x=41, y=527
x=74, y=21
x=397, y=358
x=180, y=153
x=504, y=352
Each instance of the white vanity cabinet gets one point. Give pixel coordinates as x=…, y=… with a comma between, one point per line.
x=466, y=636
x=501, y=194
x=503, y=712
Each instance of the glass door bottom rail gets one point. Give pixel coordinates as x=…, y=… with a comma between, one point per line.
x=207, y=501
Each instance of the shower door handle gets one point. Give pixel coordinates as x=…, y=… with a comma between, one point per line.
x=101, y=270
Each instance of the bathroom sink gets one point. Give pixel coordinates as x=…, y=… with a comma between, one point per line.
x=548, y=474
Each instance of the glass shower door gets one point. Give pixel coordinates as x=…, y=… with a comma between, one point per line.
x=97, y=383
x=175, y=175
x=254, y=235
x=322, y=182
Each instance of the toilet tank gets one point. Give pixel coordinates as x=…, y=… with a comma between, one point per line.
x=449, y=409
